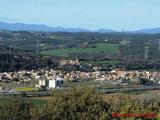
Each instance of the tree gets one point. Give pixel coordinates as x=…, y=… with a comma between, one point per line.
x=16, y=109
x=76, y=104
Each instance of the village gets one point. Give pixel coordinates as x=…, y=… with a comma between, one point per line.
x=51, y=79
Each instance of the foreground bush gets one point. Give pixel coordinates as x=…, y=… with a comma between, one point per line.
x=80, y=104
x=77, y=104
x=16, y=109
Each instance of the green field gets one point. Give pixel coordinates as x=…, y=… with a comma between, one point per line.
x=39, y=102
x=100, y=47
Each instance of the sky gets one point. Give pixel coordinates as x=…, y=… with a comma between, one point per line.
x=88, y=14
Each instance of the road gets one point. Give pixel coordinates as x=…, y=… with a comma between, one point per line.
x=105, y=91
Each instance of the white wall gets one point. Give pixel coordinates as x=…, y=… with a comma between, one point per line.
x=42, y=82
x=52, y=84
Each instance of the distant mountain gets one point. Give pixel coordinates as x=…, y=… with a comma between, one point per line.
x=148, y=31
x=41, y=27
x=45, y=28
x=34, y=27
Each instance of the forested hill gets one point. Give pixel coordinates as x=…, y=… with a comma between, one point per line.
x=98, y=49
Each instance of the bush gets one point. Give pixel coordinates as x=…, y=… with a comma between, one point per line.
x=77, y=104
x=16, y=109
x=80, y=104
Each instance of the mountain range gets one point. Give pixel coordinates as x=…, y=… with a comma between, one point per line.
x=45, y=28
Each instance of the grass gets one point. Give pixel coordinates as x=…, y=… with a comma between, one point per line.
x=4, y=100
x=38, y=102
x=26, y=89
x=100, y=47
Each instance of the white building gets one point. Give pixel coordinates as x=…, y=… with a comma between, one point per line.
x=51, y=84
x=42, y=82
x=55, y=83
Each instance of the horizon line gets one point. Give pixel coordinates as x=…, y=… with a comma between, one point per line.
x=89, y=29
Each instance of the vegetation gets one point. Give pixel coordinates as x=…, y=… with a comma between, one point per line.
x=13, y=62
x=112, y=62
x=34, y=101
x=80, y=104
x=23, y=50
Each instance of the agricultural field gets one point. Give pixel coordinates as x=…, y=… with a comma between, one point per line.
x=99, y=48
x=26, y=89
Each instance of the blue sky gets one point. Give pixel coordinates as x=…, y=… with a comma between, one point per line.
x=90, y=14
